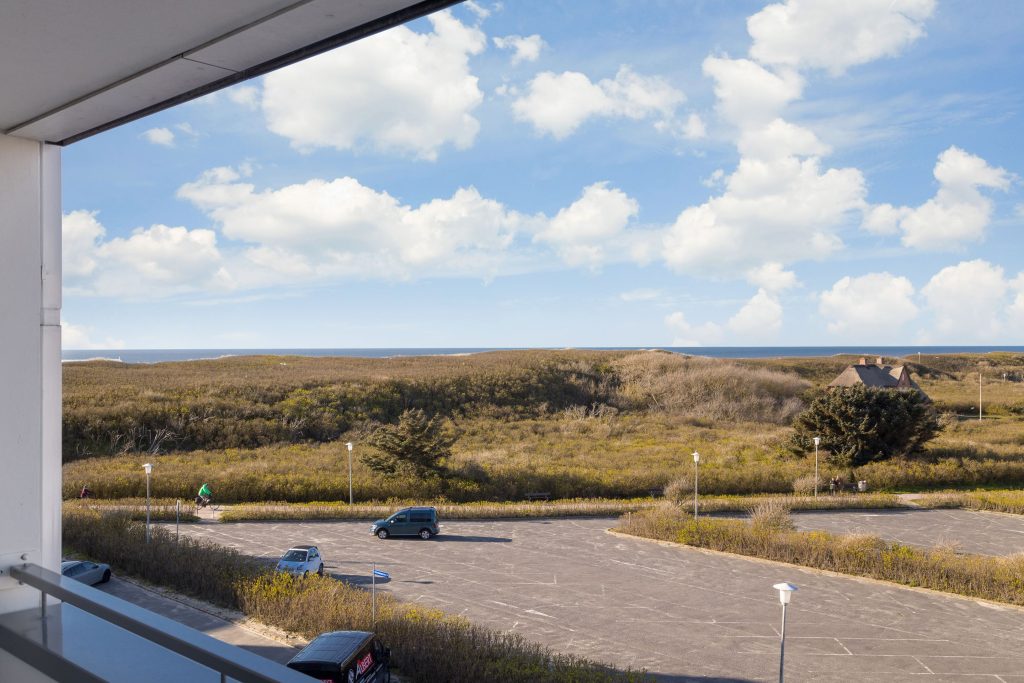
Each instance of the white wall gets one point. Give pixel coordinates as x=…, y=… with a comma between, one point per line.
x=29, y=362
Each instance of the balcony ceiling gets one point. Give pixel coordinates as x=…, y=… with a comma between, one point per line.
x=70, y=69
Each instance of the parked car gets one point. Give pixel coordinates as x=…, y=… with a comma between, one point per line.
x=89, y=573
x=344, y=657
x=419, y=521
x=300, y=560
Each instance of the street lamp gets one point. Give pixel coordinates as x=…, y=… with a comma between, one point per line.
x=149, y=470
x=817, y=440
x=785, y=595
x=696, y=461
x=348, y=445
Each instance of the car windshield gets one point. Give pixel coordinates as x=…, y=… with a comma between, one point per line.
x=294, y=556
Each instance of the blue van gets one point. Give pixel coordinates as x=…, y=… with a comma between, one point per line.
x=418, y=521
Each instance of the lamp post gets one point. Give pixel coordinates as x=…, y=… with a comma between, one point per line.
x=348, y=445
x=785, y=595
x=817, y=440
x=149, y=470
x=696, y=462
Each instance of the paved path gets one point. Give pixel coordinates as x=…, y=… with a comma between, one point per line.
x=985, y=533
x=210, y=624
x=681, y=613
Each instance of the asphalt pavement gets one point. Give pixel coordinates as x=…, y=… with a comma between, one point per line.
x=680, y=613
x=984, y=533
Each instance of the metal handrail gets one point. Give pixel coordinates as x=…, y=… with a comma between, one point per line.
x=228, y=660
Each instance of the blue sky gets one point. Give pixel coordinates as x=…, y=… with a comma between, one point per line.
x=576, y=174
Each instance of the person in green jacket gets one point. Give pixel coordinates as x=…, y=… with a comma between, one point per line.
x=204, y=496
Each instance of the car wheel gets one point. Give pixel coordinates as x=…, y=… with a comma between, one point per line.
x=382, y=534
x=320, y=571
x=305, y=574
x=106, y=576
x=425, y=534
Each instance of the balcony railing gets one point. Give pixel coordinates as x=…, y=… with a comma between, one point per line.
x=43, y=640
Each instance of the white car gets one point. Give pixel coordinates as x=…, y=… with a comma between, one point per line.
x=302, y=560
x=89, y=573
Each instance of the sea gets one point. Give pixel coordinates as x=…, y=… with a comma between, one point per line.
x=170, y=355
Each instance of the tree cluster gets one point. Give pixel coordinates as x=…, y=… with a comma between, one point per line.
x=860, y=424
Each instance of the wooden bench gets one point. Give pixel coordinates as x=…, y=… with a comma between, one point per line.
x=542, y=495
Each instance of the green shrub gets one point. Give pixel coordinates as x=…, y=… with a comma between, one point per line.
x=860, y=424
x=417, y=445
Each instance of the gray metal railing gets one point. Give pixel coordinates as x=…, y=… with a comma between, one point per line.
x=228, y=660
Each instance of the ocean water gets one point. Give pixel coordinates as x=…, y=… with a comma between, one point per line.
x=165, y=355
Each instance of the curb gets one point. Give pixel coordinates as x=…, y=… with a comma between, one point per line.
x=823, y=572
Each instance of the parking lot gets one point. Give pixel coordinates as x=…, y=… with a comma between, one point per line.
x=984, y=533
x=680, y=613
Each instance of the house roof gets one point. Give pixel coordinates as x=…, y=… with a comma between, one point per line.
x=876, y=375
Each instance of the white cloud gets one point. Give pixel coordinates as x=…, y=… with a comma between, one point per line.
x=397, y=91
x=871, y=306
x=782, y=204
x=80, y=337
x=835, y=34
x=247, y=96
x=958, y=212
x=154, y=261
x=160, y=136
x=749, y=94
x=686, y=334
x=477, y=9
x=340, y=227
x=772, y=277
x=558, y=104
x=784, y=210
x=81, y=233
x=758, y=318
x=330, y=229
x=694, y=128
x=968, y=300
x=582, y=231
x=642, y=294
x=525, y=48
x=161, y=257
x=884, y=219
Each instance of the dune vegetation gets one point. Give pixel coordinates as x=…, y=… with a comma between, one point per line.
x=573, y=424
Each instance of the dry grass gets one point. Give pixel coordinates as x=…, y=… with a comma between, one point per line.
x=978, y=576
x=771, y=515
x=161, y=509
x=995, y=501
x=560, y=508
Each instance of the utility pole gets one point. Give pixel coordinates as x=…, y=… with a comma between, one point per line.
x=979, y=395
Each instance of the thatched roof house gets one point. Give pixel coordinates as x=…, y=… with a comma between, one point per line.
x=877, y=375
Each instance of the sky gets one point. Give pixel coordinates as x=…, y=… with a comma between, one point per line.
x=576, y=173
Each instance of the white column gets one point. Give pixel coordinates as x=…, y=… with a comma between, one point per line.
x=30, y=438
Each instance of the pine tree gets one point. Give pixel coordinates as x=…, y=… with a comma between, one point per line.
x=417, y=444
x=862, y=424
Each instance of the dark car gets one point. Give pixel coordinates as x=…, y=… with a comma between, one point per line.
x=419, y=521
x=344, y=657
